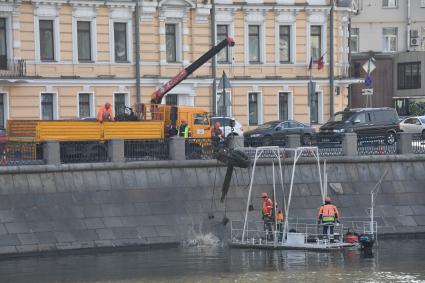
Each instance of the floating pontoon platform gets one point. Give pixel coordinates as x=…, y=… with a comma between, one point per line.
x=293, y=235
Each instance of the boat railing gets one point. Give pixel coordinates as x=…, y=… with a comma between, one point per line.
x=301, y=230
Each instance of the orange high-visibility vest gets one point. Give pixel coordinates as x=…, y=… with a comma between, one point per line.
x=104, y=114
x=328, y=212
x=267, y=207
x=280, y=217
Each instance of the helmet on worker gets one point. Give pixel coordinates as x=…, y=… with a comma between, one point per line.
x=264, y=195
x=328, y=200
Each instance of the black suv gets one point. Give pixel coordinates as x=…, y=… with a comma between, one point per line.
x=366, y=121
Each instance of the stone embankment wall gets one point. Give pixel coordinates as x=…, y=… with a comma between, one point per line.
x=54, y=208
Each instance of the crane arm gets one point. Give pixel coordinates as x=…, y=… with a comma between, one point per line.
x=157, y=96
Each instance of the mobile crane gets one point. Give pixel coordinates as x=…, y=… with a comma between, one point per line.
x=163, y=118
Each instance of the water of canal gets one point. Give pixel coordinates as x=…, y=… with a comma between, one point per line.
x=392, y=261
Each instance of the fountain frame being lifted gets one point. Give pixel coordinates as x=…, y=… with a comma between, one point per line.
x=296, y=235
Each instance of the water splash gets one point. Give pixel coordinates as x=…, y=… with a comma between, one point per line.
x=202, y=240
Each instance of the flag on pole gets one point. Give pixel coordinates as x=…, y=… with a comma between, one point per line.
x=311, y=63
x=320, y=62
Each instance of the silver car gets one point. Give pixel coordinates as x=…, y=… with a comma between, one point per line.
x=414, y=125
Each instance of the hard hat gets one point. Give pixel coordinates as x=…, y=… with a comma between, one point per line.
x=264, y=195
x=327, y=199
x=107, y=105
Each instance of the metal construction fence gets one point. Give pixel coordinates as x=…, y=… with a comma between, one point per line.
x=203, y=148
x=376, y=145
x=83, y=152
x=21, y=153
x=144, y=150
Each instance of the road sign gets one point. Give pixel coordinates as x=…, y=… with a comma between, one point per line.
x=369, y=66
x=368, y=81
x=367, y=91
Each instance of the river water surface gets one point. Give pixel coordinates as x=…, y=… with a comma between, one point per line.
x=392, y=261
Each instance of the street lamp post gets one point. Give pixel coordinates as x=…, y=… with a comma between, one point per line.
x=224, y=83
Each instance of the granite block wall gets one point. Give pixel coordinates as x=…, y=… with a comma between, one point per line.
x=65, y=207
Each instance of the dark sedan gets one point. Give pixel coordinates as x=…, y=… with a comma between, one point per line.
x=275, y=132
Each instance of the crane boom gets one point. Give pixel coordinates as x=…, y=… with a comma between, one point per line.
x=183, y=74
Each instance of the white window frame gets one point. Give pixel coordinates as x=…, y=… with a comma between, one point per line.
x=6, y=107
x=320, y=108
x=322, y=40
x=387, y=39
x=290, y=103
x=93, y=39
x=228, y=92
x=126, y=99
x=179, y=40
x=129, y=37
x=56, y=38
x=55, y=104
x=9, y=35
x=286, y=19
x=230, y=27
x=91, y=101
x=357, y=37
x=260, y=106
x=390, y=6
x=262, y=31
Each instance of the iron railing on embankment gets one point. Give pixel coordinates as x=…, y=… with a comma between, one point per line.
x=22, y=153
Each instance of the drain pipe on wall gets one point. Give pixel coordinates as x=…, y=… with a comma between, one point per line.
x=331, y=60
x=213, y=61
x=408, y=25
x=137, y=53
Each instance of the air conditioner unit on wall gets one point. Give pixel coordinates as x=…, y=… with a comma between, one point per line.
x=414, y=33
x=415, y=41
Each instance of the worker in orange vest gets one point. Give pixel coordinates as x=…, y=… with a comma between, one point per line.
x=105, y=113
x=267, y=211
x=328, y=215
x=279, y=223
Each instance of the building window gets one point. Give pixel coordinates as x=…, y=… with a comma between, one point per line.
x=84, y=41
x=253, y=108
x=223, y=33
x=171, y=42
x=47, y=49
x=224, y=104
x=409, y=75
x=120, y=42
x=284, y=44
x=171, y=99
x=316, y=42
x=47, y=106
x=389, y=39
x=120, y=102
x=2, y=110
x=254, y=43
x=389, y=3
x=3, y=44
x=85, y=103
x=314, y=108
x=354, y=40
x=283, y=106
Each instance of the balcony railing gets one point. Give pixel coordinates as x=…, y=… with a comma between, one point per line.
x=12, y=67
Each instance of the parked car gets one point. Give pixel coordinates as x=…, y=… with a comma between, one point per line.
x=364, y=121
x=414, y=125
x=274, y=133
x=225, y=122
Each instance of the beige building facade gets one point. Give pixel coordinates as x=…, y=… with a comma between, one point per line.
x=63, y=59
